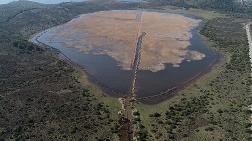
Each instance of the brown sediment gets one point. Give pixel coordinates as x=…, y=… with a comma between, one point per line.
x=114, y=33
x=162, y=96
x=150, y=100
x=106, y=90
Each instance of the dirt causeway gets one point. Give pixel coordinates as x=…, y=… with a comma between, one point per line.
x=114, y=33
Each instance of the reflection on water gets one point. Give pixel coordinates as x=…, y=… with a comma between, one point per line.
x=104, y=43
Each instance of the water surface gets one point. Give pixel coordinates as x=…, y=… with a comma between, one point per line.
x=104, y=44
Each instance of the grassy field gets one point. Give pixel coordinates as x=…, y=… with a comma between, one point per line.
x=215, y=106
x=112, y=103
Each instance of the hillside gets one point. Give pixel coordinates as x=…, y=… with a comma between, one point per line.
x=44, y=97
x=41, y=97
x=223, y=5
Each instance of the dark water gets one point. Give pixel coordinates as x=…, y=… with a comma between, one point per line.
x=102, y=68
x=152, y=83
x=107, y=72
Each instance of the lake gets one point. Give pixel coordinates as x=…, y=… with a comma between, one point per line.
x=104, y=43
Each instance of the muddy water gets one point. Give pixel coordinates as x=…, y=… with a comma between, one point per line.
x=173, y=53
x=171, y=77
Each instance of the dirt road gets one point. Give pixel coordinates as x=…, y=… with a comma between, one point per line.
x=128, y=103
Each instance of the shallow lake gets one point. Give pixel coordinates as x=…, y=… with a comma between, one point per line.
x=103, y=43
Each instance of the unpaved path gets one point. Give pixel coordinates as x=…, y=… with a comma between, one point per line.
x=128, y=103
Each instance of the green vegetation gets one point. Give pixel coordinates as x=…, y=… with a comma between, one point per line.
x=222, y=5
x=15, y=10
x=44, y=98
x=200, y=13
x=113, y=103
x=41, y=99
x=215, y=107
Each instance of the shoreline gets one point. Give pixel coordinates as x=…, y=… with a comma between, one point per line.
x=162, y=97
x=91, y=79
x=159, y=97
